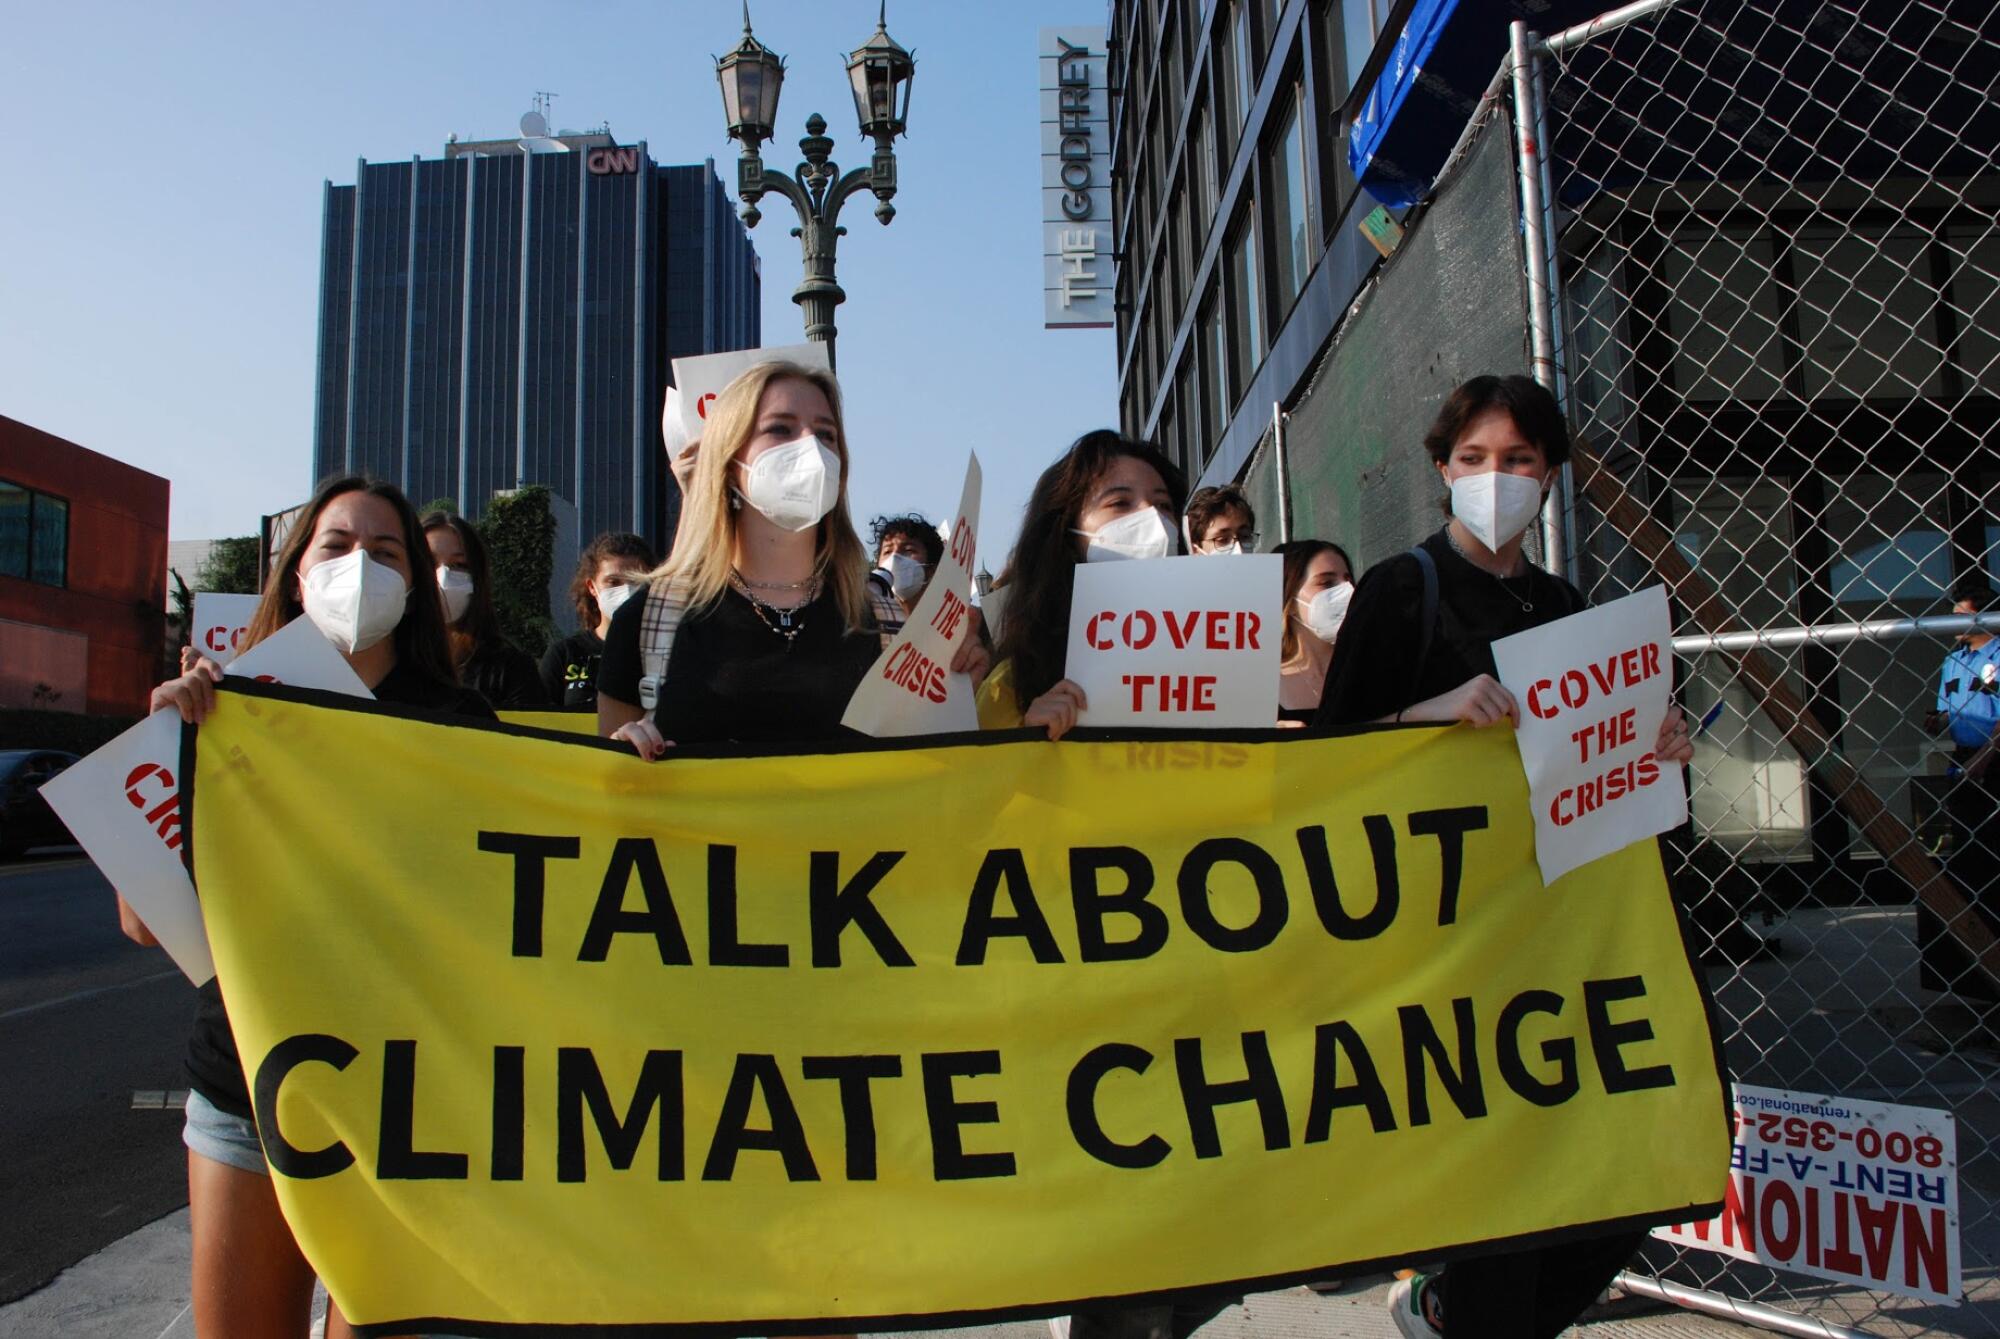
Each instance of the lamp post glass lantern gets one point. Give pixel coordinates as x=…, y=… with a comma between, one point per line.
x=751, y=76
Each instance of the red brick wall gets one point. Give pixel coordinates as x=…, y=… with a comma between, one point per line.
x=115, y=593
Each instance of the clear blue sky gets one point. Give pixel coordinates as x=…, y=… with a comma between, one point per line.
x=159, y=248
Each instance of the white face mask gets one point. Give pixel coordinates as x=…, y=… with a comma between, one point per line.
x=456, y=588
x=907, y=576
x=1229, y=550
x=609, y=598
x=1325, y=611
x=1139, y=534
x=354, y=601
x=793, y=485
x=1495, y=506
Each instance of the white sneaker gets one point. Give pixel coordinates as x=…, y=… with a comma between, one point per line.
x=1413, y=1306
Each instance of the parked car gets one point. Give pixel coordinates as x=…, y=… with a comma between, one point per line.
x=25, y=817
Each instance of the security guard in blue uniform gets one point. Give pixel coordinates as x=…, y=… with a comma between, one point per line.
x=1968, y=705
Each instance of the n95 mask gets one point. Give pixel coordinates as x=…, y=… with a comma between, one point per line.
x=1326, y=611
x=907, y=576
x=610, y=598
x=1140, y=534
x=1496, y=507
x=793, y=485
x=353, y=600
x=455, y=587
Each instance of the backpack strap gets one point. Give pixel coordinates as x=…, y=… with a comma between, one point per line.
x=1428, y=613
x=666, y=604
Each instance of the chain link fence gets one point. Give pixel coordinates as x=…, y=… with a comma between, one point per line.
x=1774, y=230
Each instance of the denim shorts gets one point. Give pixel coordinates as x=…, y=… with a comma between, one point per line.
x=221, y=1137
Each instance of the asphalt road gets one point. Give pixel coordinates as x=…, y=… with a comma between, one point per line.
x=86, y=1017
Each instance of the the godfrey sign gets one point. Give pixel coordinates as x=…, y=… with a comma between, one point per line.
x=1077, y=271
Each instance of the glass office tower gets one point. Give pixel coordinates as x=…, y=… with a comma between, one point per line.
x=506, y=315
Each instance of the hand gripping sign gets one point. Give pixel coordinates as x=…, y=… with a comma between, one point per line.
x=123, y=802
x=900, y=1035
x=1186, y=643
x=911, y=690
x=1593, y=689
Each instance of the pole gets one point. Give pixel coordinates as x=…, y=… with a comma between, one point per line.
x=1284, y=473
x=1535, y=243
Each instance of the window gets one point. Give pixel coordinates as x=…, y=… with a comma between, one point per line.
x=1361, y=24
x=1975, y=301
x=1723, y=315
x=1211, y=343
x=1201, y=178
x=34, y=535
x=1178, y=228
x=1291, y=254
x=1234, y=85
x=1867, y=313
x=1187, y=401
x=1246, y=326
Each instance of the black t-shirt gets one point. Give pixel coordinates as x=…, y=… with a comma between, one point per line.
x=731, y=678
x=1375, y=673
x=569, y=671
x=213, y=1066
x=505, y=676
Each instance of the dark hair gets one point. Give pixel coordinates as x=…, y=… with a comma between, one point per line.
x=913, y=527
x=1973, y=586
x=1209, y=503
x=478, y=629
x=1526, y=401
x=1034, y=632
x=420, y=639
x=610, y=544
x=1299, y=556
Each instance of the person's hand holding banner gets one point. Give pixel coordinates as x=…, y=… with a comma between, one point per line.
x=1593, y=690
x=896, y=1036
x=123, y=802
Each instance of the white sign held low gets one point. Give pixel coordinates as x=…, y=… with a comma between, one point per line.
x=1858, y=1192
x=911, y=690
x=1178, y=642
x=1593, y=690
x=123, y=802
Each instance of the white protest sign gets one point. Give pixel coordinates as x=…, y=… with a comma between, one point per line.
x=1178, y=642
x=911, y=690
x=1859, y=1192
x=697, y=381
x=221, y=622
x=123, y=802
x=1593, y=689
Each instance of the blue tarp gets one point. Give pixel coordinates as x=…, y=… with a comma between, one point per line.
x=1439, y=66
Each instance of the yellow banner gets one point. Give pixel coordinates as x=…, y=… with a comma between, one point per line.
x=544, y=1035
x=566, y=722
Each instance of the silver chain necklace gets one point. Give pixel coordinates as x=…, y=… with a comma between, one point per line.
x=787, y=623
x=1527, y=605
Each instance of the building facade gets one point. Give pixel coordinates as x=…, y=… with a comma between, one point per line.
x=507, y=315
x=83, y=570
x=1778, y=273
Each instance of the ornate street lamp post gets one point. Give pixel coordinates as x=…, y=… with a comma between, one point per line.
x=751, y=76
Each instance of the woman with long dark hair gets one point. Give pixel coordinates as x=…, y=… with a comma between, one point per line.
x=487, y=662
x=1319, y=583
x=1418, y=647
x=357, y=566
x=1107, y=497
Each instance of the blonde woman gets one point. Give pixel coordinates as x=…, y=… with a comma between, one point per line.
x=760, y=625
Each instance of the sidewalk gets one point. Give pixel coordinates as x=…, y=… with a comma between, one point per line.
x=138, y=1289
